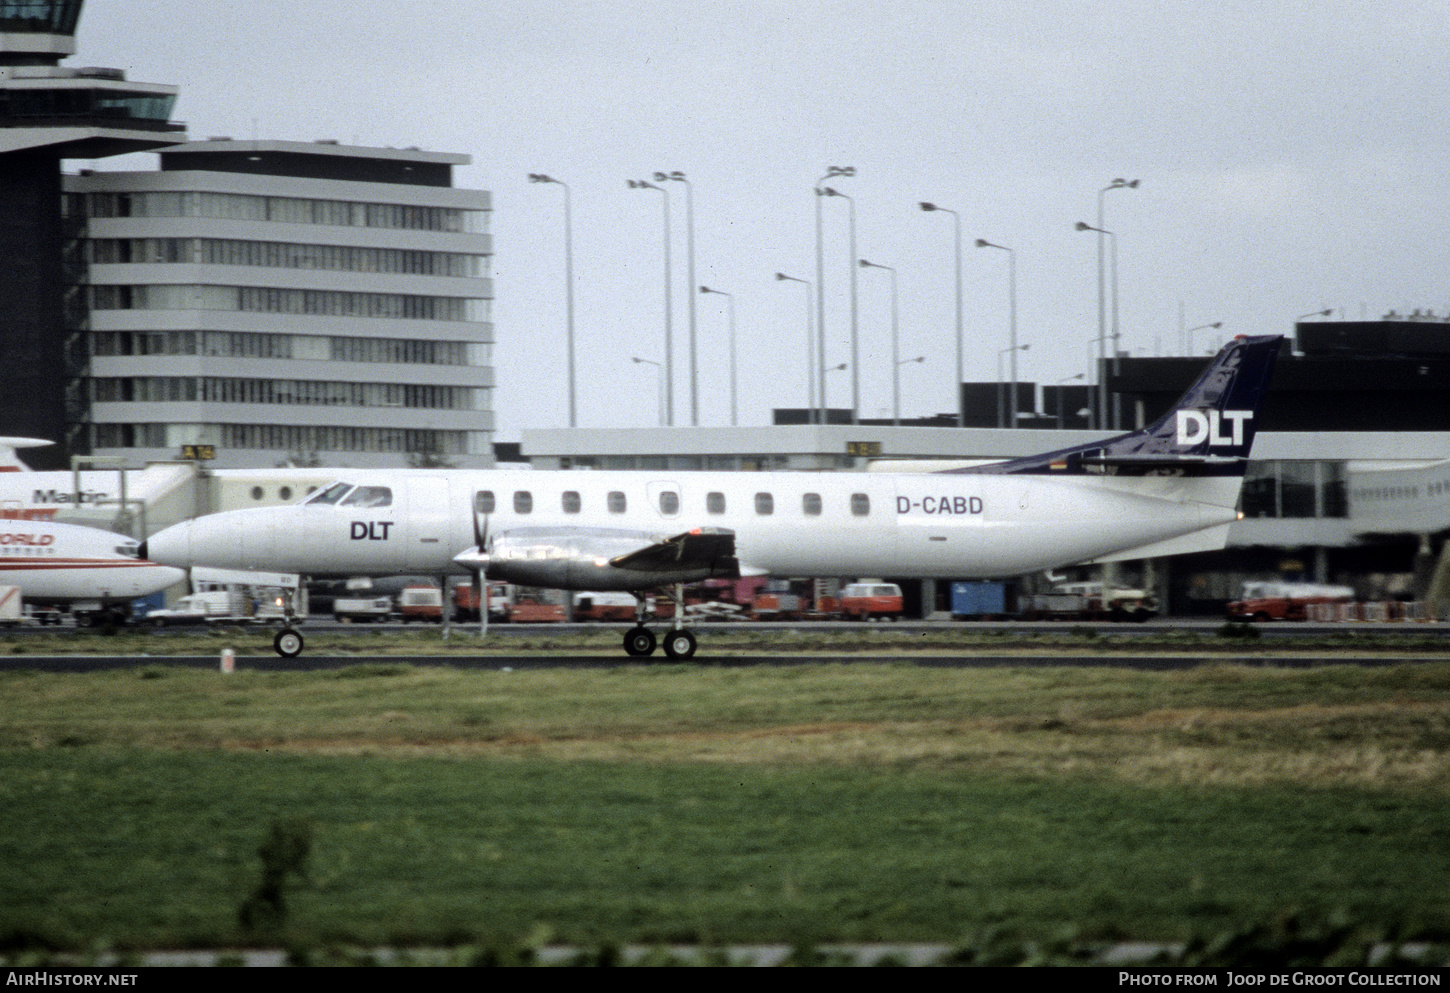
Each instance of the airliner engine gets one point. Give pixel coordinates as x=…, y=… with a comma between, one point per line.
x=602, y=558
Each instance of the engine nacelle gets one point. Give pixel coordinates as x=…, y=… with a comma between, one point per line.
x=584, y=559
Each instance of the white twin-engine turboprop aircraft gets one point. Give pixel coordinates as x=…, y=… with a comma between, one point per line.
x=1169, y=488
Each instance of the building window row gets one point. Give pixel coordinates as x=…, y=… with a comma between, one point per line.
x=215, y=389
x=285, y=255
x=1402, y=492
x=268, y=300
x=297, y=439
x=316, y=348
x=684, y=463
x=284, y=210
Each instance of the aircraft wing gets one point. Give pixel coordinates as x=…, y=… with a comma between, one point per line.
x=712, y=549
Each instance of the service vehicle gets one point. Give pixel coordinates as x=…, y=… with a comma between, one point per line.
x=870, y=601
x=1272, y=600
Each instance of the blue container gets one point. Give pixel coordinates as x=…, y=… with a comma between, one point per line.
x=977, y=599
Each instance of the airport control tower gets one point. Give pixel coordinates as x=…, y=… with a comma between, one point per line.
x=48, y=113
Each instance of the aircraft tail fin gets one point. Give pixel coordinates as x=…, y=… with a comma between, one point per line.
x=10, y=458
x=1209, y=432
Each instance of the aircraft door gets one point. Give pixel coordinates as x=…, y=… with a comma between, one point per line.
x=428, y=526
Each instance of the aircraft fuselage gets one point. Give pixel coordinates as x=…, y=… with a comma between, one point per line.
x=784, y=523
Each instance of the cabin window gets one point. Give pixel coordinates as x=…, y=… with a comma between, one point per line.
x=811, y=504
x=483, y=502
x=860, y=504
x=669, y=503
x=714, y=503
x=764, y=503
x=616, y=502
x=369, y=496
x=571, y=501
x=523, y=502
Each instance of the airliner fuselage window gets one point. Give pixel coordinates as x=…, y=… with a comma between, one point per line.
x=332, y=494
x=369, y=496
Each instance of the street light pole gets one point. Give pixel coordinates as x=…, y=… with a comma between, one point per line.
x=957, y=386
x=1002, y=417
x=810, y=345
x=1188, y=350
x=730, y=300
x=1012, y=318
x=659, y=388
x=1069, y=379
x=855, y=336
x=1102, y=390
x=537, y=177
x=895, y=345
x=641, y=184
x=679, y=177
x=831, y=173
x=1117, y=184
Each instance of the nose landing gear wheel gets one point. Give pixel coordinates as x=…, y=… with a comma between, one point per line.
x=679, y=644
x=639, y=641
x=288, y=643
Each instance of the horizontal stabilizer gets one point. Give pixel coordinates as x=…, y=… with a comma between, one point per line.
x=1148, y=462
x=1213, y=539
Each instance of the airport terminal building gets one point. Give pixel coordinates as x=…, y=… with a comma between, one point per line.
x=278, y=301
x=248, y=302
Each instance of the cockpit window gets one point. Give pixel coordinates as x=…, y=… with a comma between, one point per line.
x=369, y=496
x=130, y=550
x=332, y=494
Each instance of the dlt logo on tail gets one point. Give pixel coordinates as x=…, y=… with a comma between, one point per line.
x=1195, y=426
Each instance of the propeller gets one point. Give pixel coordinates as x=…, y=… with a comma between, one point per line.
x=476, y=561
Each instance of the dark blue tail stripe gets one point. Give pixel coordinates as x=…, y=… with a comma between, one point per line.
x=1209, y=432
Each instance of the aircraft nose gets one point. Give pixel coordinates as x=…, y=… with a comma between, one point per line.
x=236, y=539
x=169, y=546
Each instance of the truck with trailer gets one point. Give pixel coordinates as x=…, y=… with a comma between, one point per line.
x=1274, y=600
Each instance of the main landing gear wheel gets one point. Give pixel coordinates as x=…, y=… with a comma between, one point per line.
x=288, y=643
x=639, y=641
x=679, y=644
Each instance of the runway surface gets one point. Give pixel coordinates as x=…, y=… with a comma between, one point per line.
x=565, y=660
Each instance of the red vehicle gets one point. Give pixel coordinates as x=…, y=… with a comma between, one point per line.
x=1275, y=601
x=420, y=603
x=532, y=611
x=465, y=602
x=868, y=601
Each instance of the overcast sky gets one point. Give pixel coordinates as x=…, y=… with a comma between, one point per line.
x=1292, y=157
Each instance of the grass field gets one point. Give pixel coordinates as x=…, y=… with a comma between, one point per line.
x=816, y=803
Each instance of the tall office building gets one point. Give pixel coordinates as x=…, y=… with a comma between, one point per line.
x=276, y=301
x=49, y=112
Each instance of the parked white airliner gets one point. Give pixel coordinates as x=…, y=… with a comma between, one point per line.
x=95, y=573
x=1169, y=488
